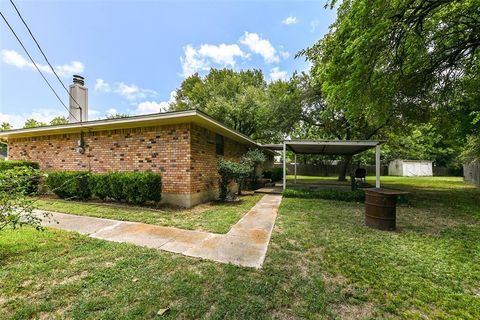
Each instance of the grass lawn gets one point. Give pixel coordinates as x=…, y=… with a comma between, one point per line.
x=322, y=263
x=213, y=217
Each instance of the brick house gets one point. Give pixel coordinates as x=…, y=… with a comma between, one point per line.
x=183, y=146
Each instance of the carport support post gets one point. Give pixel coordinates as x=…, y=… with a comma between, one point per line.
x=295, y=166
x=377, y=166
x=284, y=165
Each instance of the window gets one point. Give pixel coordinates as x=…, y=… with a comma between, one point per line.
x=219, y=144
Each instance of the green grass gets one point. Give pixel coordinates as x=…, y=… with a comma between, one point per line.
x=213, y=217
x=322, y=263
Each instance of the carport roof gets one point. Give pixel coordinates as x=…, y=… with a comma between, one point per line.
x=326, y=147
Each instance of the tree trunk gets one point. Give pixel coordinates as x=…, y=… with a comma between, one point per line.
x=343, y=170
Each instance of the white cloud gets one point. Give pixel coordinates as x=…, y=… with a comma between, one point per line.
x=133, y=92
x=43, y=115
x=284, y=54
x=102, y=85
x=13, y=58
x=289, y=20
x=94, y=114
x=223, y=54
x=260, y=46
x=155, y=107
x=192, y=62
x=196, y=60
x=277, y=74
x=313, y=25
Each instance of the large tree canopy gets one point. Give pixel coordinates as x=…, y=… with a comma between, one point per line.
x=386, y=67
x=244, y=101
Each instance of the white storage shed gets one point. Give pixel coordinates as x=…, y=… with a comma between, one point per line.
x=410, y=168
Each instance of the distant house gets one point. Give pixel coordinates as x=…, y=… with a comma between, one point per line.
x=410, y=168
x=183, y=146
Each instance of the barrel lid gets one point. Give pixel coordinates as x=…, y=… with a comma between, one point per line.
x=385, y=191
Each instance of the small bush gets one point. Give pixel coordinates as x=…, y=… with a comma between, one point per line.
x=275, y=174
x=16, y=209
x=31, y=180
x=132, y=187
x=10, y=164
x=327, y=194
x=70, y=184
x=100, y=185
x=231, y=171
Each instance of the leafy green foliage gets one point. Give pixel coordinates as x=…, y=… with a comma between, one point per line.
x=16, y=209
x=131, y=187
x=275, y=174
x=253, y=158
x=326, y=194
x=231, y=171
x=70, y=184
x=386, y=67
x=117, y=115
x=4, y=126
x=10, y=164
x=32, y=123
x=242, y=100
x=30, y=179
x=59, y=120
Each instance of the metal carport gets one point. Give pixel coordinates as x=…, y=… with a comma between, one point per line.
x=328, y=147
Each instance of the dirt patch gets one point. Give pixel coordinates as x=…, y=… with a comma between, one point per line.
x=283, y=315
x=3, y=300
x=74, y=278
x=353, y=311
x=59, y=313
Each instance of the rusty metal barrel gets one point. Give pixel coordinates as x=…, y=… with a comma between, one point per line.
x=381, y=208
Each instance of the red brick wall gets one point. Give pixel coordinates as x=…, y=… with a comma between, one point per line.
x=164, y=149
x=204, y=174
x=184, y=154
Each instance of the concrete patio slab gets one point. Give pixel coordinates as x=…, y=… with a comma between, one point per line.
x=245, y=244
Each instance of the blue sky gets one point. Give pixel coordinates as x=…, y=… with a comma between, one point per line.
x=134, y=54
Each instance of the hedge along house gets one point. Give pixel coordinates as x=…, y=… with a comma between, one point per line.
x=182, y=146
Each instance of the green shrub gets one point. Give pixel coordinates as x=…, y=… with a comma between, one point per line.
x=231, y=171
x=10, y=164
x=26, y=178
x=327, y=194
x=254, y=159
x=16, y=209
x=70, y=184
x=132, y=187
x=100, y=185
x=31, y=180
x=275, y=174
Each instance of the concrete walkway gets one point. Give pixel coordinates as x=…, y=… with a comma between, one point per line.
x=245, y=244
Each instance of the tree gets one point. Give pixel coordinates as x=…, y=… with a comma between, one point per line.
x=16, y=209
x=388, y=65
x=322, y=120
x=242, y=100
x=59, y=120
x=4, y=126
x=117, y=115
x=471, y=151
x=32, y=123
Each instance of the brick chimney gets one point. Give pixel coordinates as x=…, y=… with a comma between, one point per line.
x=78, y=100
